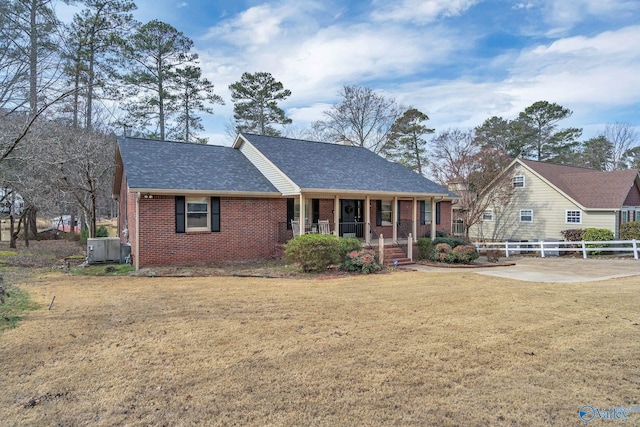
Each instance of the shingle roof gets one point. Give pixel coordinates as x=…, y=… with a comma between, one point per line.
x=166, y=165
x=325, y=166
x=591, y=188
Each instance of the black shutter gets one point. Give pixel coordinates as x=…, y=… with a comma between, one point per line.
x=378, y=212
x=215, y=214
x=438, y=213
x=180, y=214
x=290, y=212
x=423, y=220
x=315, y=211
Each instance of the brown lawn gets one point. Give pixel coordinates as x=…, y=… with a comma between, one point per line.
x=406, y=348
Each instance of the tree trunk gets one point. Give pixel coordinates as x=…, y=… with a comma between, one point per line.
x=12, y=233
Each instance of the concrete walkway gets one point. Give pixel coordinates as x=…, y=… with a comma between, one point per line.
x=553, y=269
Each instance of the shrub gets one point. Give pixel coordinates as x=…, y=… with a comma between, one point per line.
x=84, y=235
x=424, y=248
x=364, y=262
x=465, y=254
x=313, y=252
x=441, y=233
x=102, y=231
x=596, y=234
x=451, y=241
x=630, y=230
x=347, y=245
x=572, y=235
x=461, y=254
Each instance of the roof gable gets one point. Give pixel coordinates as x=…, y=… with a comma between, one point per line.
x=590, y=188
x=166, y=165
x=323, y=166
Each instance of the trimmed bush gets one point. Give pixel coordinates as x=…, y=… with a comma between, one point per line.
x=102, y=231
x=313, y=252
x=596, y=234
x=572, y=235
x=364, y=262
x=630, y=230
x=451, y=241
x=347, y=245
x=424, y=248
x=461, y=254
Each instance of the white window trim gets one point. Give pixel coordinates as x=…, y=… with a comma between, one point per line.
x=566, y=216
x=186, y=213
x=489, y=214
x=521, y=178
x=526, y=210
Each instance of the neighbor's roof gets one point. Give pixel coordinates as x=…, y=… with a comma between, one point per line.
x=166, y=165
x=324, y=166
x=591, y=188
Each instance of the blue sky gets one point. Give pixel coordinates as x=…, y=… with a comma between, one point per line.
x=459, y=61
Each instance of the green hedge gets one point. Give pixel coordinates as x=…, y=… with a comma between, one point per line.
x=313, y=252
x=347, y=245
x=630, y=230
x=424, y=248
x=597, y=234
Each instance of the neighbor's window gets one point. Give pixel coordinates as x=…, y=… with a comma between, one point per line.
x=387, y=218
x=574, y=217
x=197, y=213
x=526, y=215
x=625, y=216
x=518, y=181
x=487, y=215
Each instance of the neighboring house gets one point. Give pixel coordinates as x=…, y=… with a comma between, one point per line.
x=548, y=198
x=183, y=203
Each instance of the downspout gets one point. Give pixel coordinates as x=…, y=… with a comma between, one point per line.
x=137, y=256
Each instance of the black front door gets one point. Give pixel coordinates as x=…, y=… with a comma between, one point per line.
x=351, y=224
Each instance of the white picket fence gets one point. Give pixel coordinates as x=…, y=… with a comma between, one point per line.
x=554, y=247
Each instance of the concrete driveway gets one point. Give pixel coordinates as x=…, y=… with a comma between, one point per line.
x=556, y=269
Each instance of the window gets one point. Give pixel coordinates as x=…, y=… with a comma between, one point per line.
x=574, y=217
x=387, y=206
x=487, y=215
x=425, y=212
x=197, y=213
x=518, y=181
x=625, y=216
x=526, y=215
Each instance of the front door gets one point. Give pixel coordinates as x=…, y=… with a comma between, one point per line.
x=351, y=224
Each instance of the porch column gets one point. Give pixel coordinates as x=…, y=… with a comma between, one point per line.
x=414, y=219
x=336, y=215
x=394, y=210
x=367, y=220
x=303, y=214
x=433, y=218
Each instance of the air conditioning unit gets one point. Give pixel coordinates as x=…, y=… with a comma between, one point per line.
x=103, y=249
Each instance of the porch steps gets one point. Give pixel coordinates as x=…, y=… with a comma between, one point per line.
x=395, y=253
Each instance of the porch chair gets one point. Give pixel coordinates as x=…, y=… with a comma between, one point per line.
x=323, y=227
x=295, y=227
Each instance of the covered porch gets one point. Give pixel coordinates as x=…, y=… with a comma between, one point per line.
x=363, y=216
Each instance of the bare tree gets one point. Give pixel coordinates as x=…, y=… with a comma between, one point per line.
x=362, y=117
x=623, y=139
x=472, y=172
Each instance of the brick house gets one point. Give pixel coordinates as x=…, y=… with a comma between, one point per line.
x=182, y=204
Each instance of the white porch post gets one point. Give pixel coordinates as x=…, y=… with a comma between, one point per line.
x=336, y=215
x=394, y=210
x=367, y=220
x=414, y=219
x=303, y=214
x=433, y=218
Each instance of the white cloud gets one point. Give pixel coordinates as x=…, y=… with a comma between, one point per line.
x=420, y=10
x=564, y=15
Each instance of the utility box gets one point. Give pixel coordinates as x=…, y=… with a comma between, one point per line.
x=551, y=247
x=103, y=249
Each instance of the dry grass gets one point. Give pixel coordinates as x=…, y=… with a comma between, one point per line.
x=406, y=348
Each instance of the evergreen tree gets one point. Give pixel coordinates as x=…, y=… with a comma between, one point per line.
x=406, y=143
x=193, y=94
x=156, y=50
x=255, y=99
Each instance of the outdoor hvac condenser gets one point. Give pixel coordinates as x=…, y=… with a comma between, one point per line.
x=103, y=249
